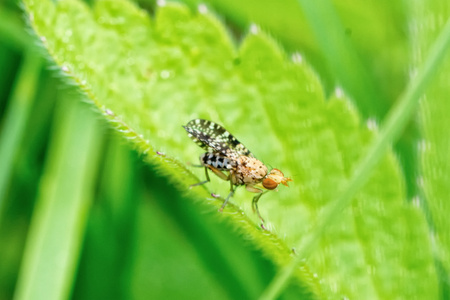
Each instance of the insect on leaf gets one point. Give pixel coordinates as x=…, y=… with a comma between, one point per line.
x=214, y=138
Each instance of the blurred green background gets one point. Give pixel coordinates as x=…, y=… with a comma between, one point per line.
x=140, y=238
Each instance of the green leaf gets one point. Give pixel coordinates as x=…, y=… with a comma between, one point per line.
x=150, y=76
x=383, y=54
x=434, y=148
x=380, y=52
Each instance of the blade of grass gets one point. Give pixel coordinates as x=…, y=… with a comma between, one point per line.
x=66, y=190
x=396, y=121
x=16, y=118
x=348, y=69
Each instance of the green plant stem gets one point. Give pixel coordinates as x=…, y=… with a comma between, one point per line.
x=395, y=122
x=16, y=118
x=66, y=190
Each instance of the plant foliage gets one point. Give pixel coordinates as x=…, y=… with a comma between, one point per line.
x=148, y=75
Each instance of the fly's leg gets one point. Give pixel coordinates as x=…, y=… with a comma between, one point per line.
x=202, y=182
x=228, y=197
x=222, y=176
x=225, y=177
x=219, y=173
x=260, y=192
x=215, y=171
x=255, y=205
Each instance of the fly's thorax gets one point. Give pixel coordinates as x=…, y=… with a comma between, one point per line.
x=217, y=161
x=248, y=170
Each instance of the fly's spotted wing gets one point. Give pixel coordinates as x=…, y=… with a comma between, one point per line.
x=214, y=138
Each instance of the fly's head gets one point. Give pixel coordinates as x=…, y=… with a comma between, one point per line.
x=274, y=178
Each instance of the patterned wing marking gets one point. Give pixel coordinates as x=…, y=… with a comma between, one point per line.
x=214, y=138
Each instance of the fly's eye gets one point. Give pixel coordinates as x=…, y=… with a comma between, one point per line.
x=269, y=184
